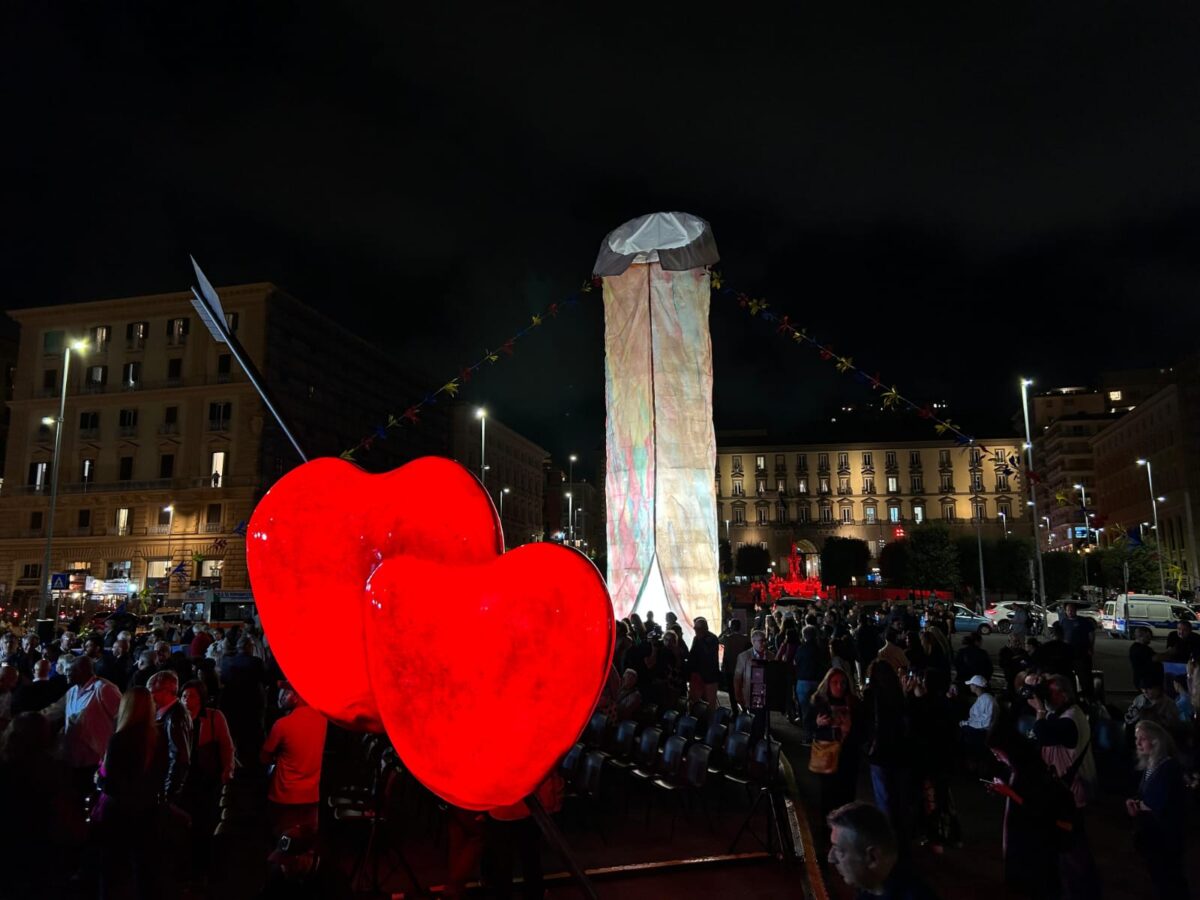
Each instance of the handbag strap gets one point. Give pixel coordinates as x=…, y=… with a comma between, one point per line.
x=1068, y=777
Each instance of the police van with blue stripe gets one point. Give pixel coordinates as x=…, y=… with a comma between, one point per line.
x=1154, y=611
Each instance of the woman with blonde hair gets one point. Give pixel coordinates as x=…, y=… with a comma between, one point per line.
x=1158, y=809
x=833, y=722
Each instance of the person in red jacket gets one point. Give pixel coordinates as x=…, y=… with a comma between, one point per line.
x=295, y=747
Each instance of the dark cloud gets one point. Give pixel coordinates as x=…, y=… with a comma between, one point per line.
x=952, y=197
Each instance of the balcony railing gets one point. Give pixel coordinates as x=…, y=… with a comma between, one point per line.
x=157, y=484
x=159, y=529
x=89, y=434
x=129, y=431
x=212, y=527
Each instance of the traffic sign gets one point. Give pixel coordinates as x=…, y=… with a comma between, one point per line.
x=60, y=581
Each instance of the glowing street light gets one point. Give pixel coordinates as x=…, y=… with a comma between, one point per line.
x=571, y=484
x=1087, y=533
x=1026, y=383
x=47, y=575
x=1162, y=579
x=481, y=415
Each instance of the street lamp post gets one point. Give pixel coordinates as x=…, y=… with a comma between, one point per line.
x=1004, y=523
x=481, y=415
x=1087, y=533
x=504, y=545
x=169, y=509
x=47, y=575
x=979, y=545
x=571, y=484
x=1037, y=546
x=570, y=510
x=1162, y=580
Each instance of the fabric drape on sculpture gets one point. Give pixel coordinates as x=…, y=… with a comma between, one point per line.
x=660, y=442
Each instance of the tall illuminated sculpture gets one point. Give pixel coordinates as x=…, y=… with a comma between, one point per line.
x=661, y=448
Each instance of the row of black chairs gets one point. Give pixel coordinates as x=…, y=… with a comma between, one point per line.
x=679, y=754
x=378, y=784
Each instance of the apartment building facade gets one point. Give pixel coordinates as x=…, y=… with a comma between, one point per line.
x=166, y=445
x=777, y=495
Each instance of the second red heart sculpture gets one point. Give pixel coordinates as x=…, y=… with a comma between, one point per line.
x=483, y=693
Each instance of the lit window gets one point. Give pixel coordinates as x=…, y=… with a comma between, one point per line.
x=893, y=514
x=847, y=514
x=37, y=475
x=1114, y=396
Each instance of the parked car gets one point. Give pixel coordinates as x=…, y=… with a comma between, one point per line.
x=966, y=620
x=1154, y=611
x=1001, y=614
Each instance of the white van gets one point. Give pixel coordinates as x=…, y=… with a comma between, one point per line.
x=1154, y=611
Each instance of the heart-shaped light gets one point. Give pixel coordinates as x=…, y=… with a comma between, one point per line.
x=315, y=539
x=485, y=674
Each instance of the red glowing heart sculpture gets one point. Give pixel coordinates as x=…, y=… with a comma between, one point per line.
x=313, y=542
x=483, y=693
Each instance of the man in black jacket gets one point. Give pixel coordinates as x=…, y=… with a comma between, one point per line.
x=1141, y=657
x=867, y=644
x=971, y=660
x=174, y=755
x=703, y=666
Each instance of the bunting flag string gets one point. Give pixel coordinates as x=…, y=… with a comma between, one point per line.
x=411, y=416
x=891, y=396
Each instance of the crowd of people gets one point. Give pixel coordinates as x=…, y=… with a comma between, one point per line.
x=120, y=744
x=113, y=737
x=892, y=697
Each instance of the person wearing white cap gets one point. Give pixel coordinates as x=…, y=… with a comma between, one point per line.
x=979, y=721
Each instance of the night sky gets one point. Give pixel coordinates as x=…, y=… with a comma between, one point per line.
x=951, y=197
